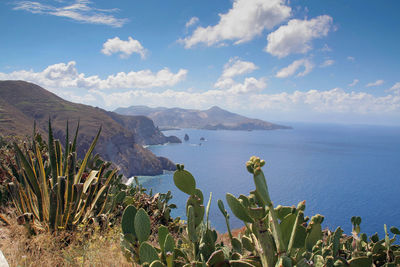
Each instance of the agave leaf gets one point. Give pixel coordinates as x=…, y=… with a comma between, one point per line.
x=66, y=146
x=44, y=185
x=85, y=160
x=99, y=192
x=59, y=164
x=93, y=176
x=73, y=148
x=52, y=156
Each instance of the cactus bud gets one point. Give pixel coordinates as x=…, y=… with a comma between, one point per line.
x=301, y=205
x=249, y=167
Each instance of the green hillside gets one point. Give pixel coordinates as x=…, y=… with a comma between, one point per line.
x=22, y=103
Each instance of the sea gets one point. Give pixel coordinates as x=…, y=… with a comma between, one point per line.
x=339, y=170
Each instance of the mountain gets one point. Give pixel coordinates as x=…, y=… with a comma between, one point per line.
x=121, y=140
x=214, y=118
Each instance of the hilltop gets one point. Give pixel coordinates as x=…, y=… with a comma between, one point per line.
x=121, y=140
x=214, y=118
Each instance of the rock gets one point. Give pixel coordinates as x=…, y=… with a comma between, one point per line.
x=202, y=139
x=167, y=164
x=186, y=138
x=173, y=139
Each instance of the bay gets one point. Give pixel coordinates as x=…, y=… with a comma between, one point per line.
x=340, y=170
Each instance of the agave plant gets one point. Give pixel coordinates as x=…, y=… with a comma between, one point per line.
x=58, y=190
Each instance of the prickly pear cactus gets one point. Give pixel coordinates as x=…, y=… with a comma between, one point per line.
x=280, y=236
x=184, y=180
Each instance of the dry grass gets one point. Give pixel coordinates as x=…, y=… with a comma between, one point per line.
x=100, y=248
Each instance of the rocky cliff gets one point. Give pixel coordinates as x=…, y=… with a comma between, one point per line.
x=121, y=140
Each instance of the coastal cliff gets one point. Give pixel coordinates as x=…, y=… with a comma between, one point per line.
x=122, y=137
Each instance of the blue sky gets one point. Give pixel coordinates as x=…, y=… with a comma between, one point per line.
x=319, y=61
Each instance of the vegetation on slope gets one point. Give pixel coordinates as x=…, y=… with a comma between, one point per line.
x=273, y=236
x=122, y=137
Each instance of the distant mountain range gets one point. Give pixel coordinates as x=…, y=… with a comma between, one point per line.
x=121, y=140
x=214, y=118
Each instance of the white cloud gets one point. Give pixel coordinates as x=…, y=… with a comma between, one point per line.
x=395, y=88
x=350, y=58
x=296, y=36
x=126, y=48
x=329, y=102
x=236, y=67
x=63, y=75
x=376, y=83
x=355, y=81
x=292, y=68
x=79, y=10
x=251, y=85
x=192, y=22
x=327, y=63
x=245, y=20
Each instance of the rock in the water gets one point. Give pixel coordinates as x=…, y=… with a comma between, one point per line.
x=186, y=138
x=202, y=139
x=173, y=139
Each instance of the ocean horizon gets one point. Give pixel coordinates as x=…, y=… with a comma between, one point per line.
x=340, y=170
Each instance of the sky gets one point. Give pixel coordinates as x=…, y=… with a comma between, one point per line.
x=333, y=61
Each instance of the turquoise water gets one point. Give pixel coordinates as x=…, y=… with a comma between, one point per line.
x=341, y=171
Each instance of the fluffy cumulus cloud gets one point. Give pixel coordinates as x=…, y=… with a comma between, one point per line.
x=79, y=10
x=249, y=86
x=354, y=82
x=63, y=75
x=290, y=70
x=125, y=48
x=236, y=67
x=376, y=83
x=297, y=35
x=245, y=20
